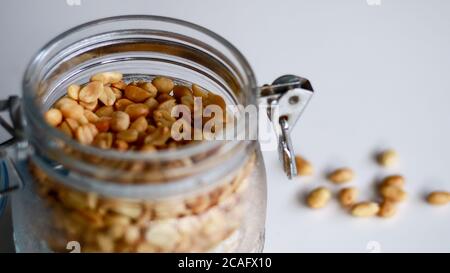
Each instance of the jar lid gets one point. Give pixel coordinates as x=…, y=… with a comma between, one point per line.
x=4, y=183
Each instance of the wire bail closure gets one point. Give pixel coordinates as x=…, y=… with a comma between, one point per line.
x=287, y=98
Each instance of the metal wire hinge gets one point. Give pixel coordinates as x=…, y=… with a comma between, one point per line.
x=287, y=98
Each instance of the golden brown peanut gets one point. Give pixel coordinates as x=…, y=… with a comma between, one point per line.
x=438, y=198
x=120, y=121
x=199, y=92
x=158, y=137
x=348, y=196
x=365, y=209
x=107, y=77
x=137, y=110
x=152, y=104
x=73, y=90
x=65, y=100
x=132, y=234
x=53, y=117
x=90, y=116
x=121, y=145
x=188, y=101
x=163, y=84
x=167, y=105
x=387, y=209
x=136, y=94
x=74, y=111
x=163, y=97
x=103, y=140
x=129, y=135
x=121, y=104
x=163, y=118
x=73, y=124
x=84, y=134
x=119, y=85
x=91, y=92
x=181, y=91
x=340, y=176
x=217, y=100
x=318, y=198
x=117, y=93
x=103, y=124
x=150, y=88
x=140, y=124
x=393, y=193
x=89, y=106
x=105, y=111
x=108, y=97
x=93, y=129
x=64, y=127
x=303, y=166
x=394, y=180
x=388, y=158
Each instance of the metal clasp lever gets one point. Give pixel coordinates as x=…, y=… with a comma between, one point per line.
x=286, y=98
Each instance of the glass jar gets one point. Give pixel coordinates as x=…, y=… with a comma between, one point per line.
x=201, y=198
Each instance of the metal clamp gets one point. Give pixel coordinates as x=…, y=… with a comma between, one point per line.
x=13, y=106
x=287, y=98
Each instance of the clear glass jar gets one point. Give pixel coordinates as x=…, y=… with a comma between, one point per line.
x=206, y=197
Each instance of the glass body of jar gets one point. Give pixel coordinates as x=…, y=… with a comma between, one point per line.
x=205, y=197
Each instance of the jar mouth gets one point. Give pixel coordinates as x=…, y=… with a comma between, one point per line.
x=40, y=63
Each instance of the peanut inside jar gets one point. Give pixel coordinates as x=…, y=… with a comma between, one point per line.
x=109, y=113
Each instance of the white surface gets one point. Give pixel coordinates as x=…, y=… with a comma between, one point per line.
x=381, y=76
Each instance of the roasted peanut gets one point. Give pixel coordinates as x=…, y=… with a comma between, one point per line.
x=120, y=121
x=394, y=180
x=348, y=196
x=92, y=106
x=122, y=104
x=103, y=140
x=137, y=110
x=393, y=193
x=107, y=77
x=387, y=209
x=64, y=127
x=388, y=158
x=303, y=166
x=365, y=209
x=91, y=92
x=180, y=91
x=108, y=97
x=340, y=176
x=84, y=134
x=105, y=111
x=199, y=92
x=318, y=198
x=103, y=124
x=74, y=111
x=90, y=116
x=53, y=117
x=140, y=124
x=150, y=88
x=73, y=90
x=129, y=135
x=136, y=94
x=439, y=198
x=64, y=100
x=119, y=85
x=163, y=84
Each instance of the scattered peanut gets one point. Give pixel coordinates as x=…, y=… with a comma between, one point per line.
x=163, y=84
x=303, y=166
x=365, y=209
x=387, y=209
x=388, y=158
x=393, y=193
x=438, y=198
x=91, y=92
x=318, y=198
x=340, y=176
x=394, y=180
x=348, y=196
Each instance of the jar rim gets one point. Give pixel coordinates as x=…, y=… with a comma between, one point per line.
x=168, y=154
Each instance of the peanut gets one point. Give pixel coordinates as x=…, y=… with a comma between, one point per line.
x=120, y=121
x=199, y=92
x=129, y=135
x=439, y=198
x=393, y=193
x=318, y=198
x=137, y=110
x=91, y=92
x=122, y=104
x=365, y=209
x=84, y=134
x=105, y=111
x=303, y=166
x=136, y=94
x=163, y=84
x=140, y=124
x=394, y=180
x=150, y=88
x=90, y=116
x=388, y=158
x=73, y=90
x=64, y=100
x=74, y=111
x=108, y=97
x=341, y=176
x=348, y=196
x=107, y=77
x=387, y=209
x=103, y=140
x=53, y=117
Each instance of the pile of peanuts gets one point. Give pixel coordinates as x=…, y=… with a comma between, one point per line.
x=390, y=190
x=109, y=113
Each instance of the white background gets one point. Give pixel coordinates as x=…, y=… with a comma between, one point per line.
x=381, y=75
